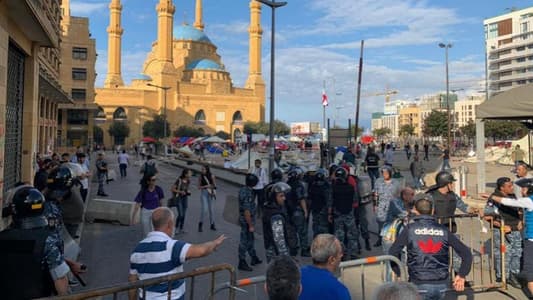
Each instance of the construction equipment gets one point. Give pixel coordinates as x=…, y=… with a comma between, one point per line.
x=387, y=93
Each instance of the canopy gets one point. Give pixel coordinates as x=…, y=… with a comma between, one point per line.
x=214, y=139
x=149, y=139
x=512, y=104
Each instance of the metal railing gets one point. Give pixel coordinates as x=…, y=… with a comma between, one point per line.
x=141, y=285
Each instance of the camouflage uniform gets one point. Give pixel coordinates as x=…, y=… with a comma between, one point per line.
x=320, y=200
x=52, y=212
x=344, y=222
x=297, y=215
x=278, y=234
x=53, y=257
x=246, y=203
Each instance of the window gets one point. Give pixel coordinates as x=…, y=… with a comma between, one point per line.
x=79, y=53
x=79, y=74
x=521, y=59
x=520, y=71
x=493, y=30
x=77, y=117
x=523, y=27
x=522, y=48
x=79, y=94
x=521, y=82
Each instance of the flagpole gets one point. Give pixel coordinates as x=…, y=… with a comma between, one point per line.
x=323, y=112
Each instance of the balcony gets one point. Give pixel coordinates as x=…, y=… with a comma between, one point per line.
x=37, y=19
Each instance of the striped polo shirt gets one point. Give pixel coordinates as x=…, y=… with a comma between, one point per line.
x=159, y=255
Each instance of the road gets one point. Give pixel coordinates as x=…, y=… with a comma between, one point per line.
x=106, y=247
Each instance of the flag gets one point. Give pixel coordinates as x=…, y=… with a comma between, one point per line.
x=324, y=98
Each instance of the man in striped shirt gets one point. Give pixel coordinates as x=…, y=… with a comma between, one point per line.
x=159, y=255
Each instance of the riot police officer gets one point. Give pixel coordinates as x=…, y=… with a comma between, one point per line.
x=320, y=200
x=297, y=208
x=32, y=262
x=341, y=213
x=247, y=210
x=278, y=234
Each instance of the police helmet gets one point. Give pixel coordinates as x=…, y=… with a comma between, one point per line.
x=276, y=188
x=340, y=173
x=26, y=201
x=526, y=182
x=443, y=178
x=251, y=180
x=332, y=168
x=60, y=179
x=276, y=175
x=320, y=174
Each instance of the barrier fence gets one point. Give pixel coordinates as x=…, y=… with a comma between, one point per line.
x=116, y=290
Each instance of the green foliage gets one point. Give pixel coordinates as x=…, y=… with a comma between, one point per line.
x=503, y=129
x=280, y=128
x=407, y=130
x=436, y=124
x=155, y=127
x=119, y=129
x=469, y=130
x=98, y=135
x=380, y=133
x=360, y=130
x=188, y=131
x=223, y=135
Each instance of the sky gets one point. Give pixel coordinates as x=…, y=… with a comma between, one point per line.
x=318, y=44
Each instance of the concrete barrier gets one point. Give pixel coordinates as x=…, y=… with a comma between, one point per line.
x=231, y=210
x=110, y=210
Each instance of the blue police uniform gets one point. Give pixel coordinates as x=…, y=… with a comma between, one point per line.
x=246, y=203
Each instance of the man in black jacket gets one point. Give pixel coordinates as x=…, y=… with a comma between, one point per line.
x=428, y=245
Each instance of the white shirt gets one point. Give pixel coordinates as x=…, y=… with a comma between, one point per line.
x=85, y=181
x=123, y=158
x=524, y=202
x=261, y=174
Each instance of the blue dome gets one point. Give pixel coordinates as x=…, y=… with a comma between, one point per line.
x=204, y=64
x=189, y=33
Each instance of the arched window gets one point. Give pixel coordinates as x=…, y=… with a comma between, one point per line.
x=237, y=117
x=99, y=115
x=199, y=118
x=119, y=114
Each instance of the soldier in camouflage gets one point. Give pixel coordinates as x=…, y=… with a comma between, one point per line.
x=297, y=206
x=278, y=234
x=341, y=213
x=320, y=200
x=247, y=212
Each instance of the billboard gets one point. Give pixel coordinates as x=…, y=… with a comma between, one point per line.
x=305, y=128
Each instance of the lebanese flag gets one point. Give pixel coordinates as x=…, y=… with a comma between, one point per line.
x=324, y=98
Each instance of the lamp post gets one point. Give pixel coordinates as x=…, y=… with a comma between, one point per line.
x=165, y=89
x=446, y=47
x=273, y=5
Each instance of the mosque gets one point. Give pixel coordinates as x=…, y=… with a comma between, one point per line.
x=183, y=77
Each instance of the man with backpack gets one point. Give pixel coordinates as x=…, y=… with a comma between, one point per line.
x=149, y=166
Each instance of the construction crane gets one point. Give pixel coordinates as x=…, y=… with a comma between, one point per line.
x=387, y=93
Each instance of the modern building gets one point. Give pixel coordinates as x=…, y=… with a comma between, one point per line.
x=393, y=107
x=183, y=79
x=509, y=49
x=377, y=121
x=77, y=77
x=465, y=110
x=29, y=89
x=429, y=103
x=410, y=115
x=392, y=122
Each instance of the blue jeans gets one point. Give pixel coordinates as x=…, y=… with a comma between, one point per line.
x=207, y=204
x=181, y=207
x=445, y=165
x=373, y=173
x=430, y=291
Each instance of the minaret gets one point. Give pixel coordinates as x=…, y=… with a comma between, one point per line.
x=165, y=21
x=256, y=33
x=199, y=22
x=114, y=32
x=65, y=7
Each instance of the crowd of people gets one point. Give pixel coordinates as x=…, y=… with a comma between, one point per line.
x=416, y=226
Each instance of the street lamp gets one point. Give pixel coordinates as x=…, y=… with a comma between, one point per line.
x=165, y=89
x=446, y=47
x=273, y=5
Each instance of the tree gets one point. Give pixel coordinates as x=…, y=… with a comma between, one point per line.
x=407, y=130
x=503, y=129
x=188, y=131
x=380, y=133
x=98, y=135
x=469, y=130
x=223, y=135
x=360, y=130
x=436, y=124
x=119, y=131
x=280, y=128
x=155, y=127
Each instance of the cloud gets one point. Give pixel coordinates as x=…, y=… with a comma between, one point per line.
x=78, y=8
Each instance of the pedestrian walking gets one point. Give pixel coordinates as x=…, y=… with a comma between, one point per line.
x=407, y=149
x=389, y=155
x=416, y=147
x=207, y=186
x=445, y=160
x=247, y=210
x=426, y=151
x=181, y=193
x=101, y=172
x=123, y=161
x=372, y=165
x=158, y=254
x=84, y=177
x=386, y=190
x=417, y=172
x=428, y=244
x=147, y=200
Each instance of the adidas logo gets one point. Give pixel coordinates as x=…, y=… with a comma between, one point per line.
x=429, y=231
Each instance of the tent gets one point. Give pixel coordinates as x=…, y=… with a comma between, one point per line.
x=214, y=139
x=148, y=139
x=514, y=104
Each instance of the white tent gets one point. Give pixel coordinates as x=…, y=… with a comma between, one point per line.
x=214, y=139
